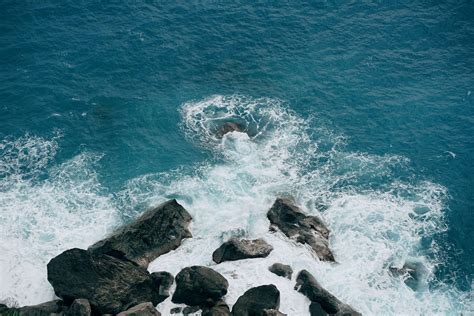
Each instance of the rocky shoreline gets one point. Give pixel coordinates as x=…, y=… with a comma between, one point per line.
x=111, y=277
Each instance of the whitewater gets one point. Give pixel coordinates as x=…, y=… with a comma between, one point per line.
x=381, y=214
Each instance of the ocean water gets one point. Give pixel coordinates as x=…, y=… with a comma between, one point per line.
x=362, y=111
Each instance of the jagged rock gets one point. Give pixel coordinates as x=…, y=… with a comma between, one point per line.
x=80, y=307
x=235, y=249
x=316, y=310
x=154, y=233
x=228, y=127
x=111, y=285
x=255, y=300
x=303, y=228
x=308, y=286
x=282, y=270
x=199, y=285
x=143, y=309
x=219, y=309
x=44, y=309
x=190, y=310
x=164, y=280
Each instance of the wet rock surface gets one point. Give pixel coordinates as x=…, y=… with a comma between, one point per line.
x=256, y=300
x=237, y=249
x=282, y=270
x=163, y=281
x=328, y=303
x=219, y=309
x=229, y=127
x=198, y=285
x=154, y=233
x=111, y=285
x=305, y=229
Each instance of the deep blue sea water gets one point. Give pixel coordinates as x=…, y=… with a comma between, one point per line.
x=107, y=108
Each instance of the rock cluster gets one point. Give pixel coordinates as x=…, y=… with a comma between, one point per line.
x=111, y=277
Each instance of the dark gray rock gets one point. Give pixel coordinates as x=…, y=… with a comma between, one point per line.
x=143, y=309
x=111, y=285
x=237, y=249
x=154, y=233
x=163, y=280
x=190, y=310
x=307, y=285
x=228, y=127
x=219, y=309
x=282, y=270
x=305, y=229
x=199, y=285
x=316, y=310
x=255, y=300
x=80, y=307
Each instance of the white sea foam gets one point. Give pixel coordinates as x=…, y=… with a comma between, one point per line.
x=377, y=219
x=379, y=214
x=41, y=218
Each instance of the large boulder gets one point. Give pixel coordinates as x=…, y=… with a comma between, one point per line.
x=282, y=270
x=257, y=301
x=143, y=309
x=305, y=229
x=111, y=285
x=236, y=249
x=328, y=303
x=199, y=285
x=154, y=233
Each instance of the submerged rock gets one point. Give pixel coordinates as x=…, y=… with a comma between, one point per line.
x=307, y=285
x=80, y=307
x=190, y=310
x=199, y=285
x=154, y=233
x=303, y=228
x=229, y=127
x=235, y=249
x=143, y=309
x=282, y=270
x=111, y=285
x=413, y=273
x=256, y=300
x=44, y=309
x=219, y=309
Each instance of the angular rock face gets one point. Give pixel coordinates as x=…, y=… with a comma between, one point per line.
x=154, y=233
x=303, y=228
x=80, y=307
x=235, y=249
x=143, y=309
x=199, y=285
x=111, y=285
x=307, y=285
x=282, y=270
x=219, y=309
x=256, y=300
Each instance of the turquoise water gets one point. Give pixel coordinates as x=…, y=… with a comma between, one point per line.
x=362, y=111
